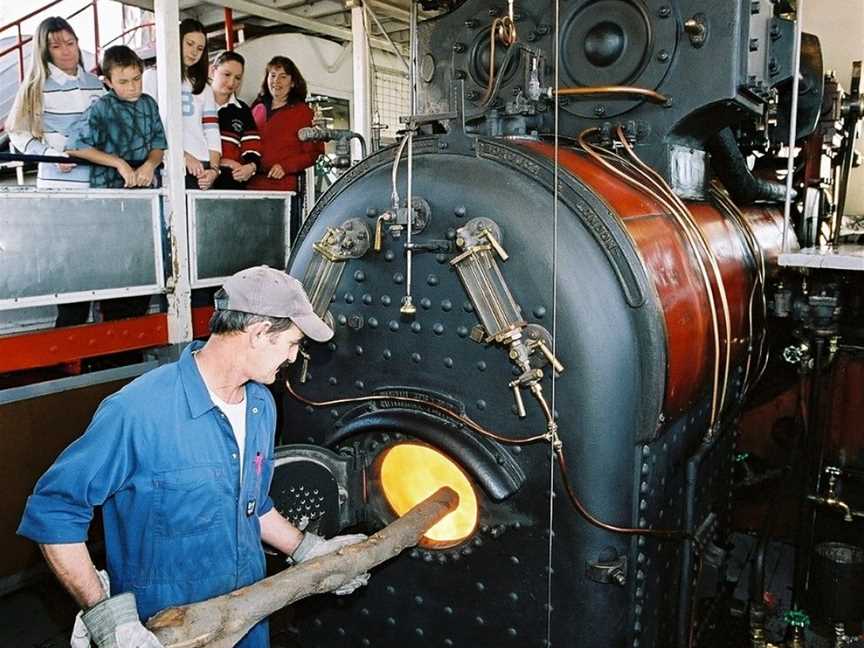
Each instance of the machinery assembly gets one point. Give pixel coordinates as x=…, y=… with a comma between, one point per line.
x=588, y=258
x=602, y=286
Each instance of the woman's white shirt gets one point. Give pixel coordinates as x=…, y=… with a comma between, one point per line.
x=200, y=117
x=64, y=98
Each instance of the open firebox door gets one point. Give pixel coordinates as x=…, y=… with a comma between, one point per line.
x=327, y=492
x=317, y=489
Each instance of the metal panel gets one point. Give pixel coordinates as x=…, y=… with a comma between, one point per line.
x=72, y=246
x=60, y=385
x=232, y=230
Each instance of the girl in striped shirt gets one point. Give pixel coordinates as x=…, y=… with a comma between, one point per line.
x=53, y=95
x=202, y=145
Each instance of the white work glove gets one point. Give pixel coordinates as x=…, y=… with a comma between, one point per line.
x=80, y=634
x=314, y=546
x=114, y=623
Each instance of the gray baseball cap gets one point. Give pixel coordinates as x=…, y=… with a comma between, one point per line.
x=273, y=293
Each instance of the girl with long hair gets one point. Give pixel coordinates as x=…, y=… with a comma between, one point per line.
x=280, y=111
x=202, y=147
x=241, y=144
x=56, y=90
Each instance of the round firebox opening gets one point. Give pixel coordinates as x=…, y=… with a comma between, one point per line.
x=411, y=472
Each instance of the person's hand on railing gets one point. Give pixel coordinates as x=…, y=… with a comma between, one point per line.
x=243, y=172
x=207, y=178
x=126, y=172
x=276, y=172
x=144, y=174
x=65, y=167
x=193, y=165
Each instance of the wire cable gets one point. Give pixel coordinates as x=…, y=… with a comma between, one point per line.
x=551, y=415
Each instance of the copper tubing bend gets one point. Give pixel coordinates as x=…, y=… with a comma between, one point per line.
x=623, y=91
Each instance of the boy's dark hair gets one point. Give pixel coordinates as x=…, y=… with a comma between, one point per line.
x=298, y=90
x=197, y=74
x=227, y=56
x=120, y=56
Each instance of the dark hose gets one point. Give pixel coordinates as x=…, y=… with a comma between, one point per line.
x=731, y=167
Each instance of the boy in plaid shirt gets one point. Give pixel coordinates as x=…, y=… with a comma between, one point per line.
x=121, y=132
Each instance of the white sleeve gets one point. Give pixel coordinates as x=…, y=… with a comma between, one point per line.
x=210, y=120
x=26, y=143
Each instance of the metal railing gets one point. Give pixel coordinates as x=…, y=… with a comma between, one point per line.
x=126, y=32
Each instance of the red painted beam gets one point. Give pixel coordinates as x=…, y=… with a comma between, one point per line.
x=229, y=29
x=201, y=321
x=57, y=346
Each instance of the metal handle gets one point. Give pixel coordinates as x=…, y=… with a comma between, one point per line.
x=517, y=395
x=379, y=231
x=495, y=244
x=304, y=367
x=555, y=362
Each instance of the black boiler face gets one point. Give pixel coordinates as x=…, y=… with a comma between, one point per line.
x=524, y=568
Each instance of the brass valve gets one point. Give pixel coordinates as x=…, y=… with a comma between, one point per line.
x=386, y=217
x=304, y=367
x=517, y=396
x=499, y=250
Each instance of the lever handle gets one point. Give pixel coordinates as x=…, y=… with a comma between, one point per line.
x=517, y=395
x=304, y=367
x=379, y=230
x=495, y=244
x=555, y=362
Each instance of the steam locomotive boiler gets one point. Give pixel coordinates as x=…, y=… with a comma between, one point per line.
x=550, y=295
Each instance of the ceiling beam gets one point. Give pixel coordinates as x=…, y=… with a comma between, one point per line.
x=288, y=18
x=391, y=10
x=283, y=17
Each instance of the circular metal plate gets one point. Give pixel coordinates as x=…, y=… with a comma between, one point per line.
x=615, y=42
x=306, y=489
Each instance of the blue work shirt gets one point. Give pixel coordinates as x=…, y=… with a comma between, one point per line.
x=162, y=461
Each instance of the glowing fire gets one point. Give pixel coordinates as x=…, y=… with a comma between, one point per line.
x=411, y=472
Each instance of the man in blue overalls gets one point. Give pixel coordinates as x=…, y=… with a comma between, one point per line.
x=181, y=461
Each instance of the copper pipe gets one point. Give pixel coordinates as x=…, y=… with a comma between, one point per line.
x=456, y=416
x=664, y=188
x=669, y=534
x=594, y=91
x=664, y=534
x=503, y=29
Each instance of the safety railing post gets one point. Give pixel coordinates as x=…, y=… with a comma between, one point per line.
x=96, y=31
x=20, y=55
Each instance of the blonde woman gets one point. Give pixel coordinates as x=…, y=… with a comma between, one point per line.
x=56, y=90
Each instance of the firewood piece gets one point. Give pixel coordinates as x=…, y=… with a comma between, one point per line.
x=222, y=621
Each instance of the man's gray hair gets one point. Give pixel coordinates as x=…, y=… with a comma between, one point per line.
x=224, y=322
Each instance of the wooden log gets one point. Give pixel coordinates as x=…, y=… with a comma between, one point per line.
x=222, y=621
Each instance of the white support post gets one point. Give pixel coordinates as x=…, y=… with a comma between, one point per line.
x=361, y=118
x=168, y=76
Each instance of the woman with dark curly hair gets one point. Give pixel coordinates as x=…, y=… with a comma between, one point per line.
x=280, y=111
